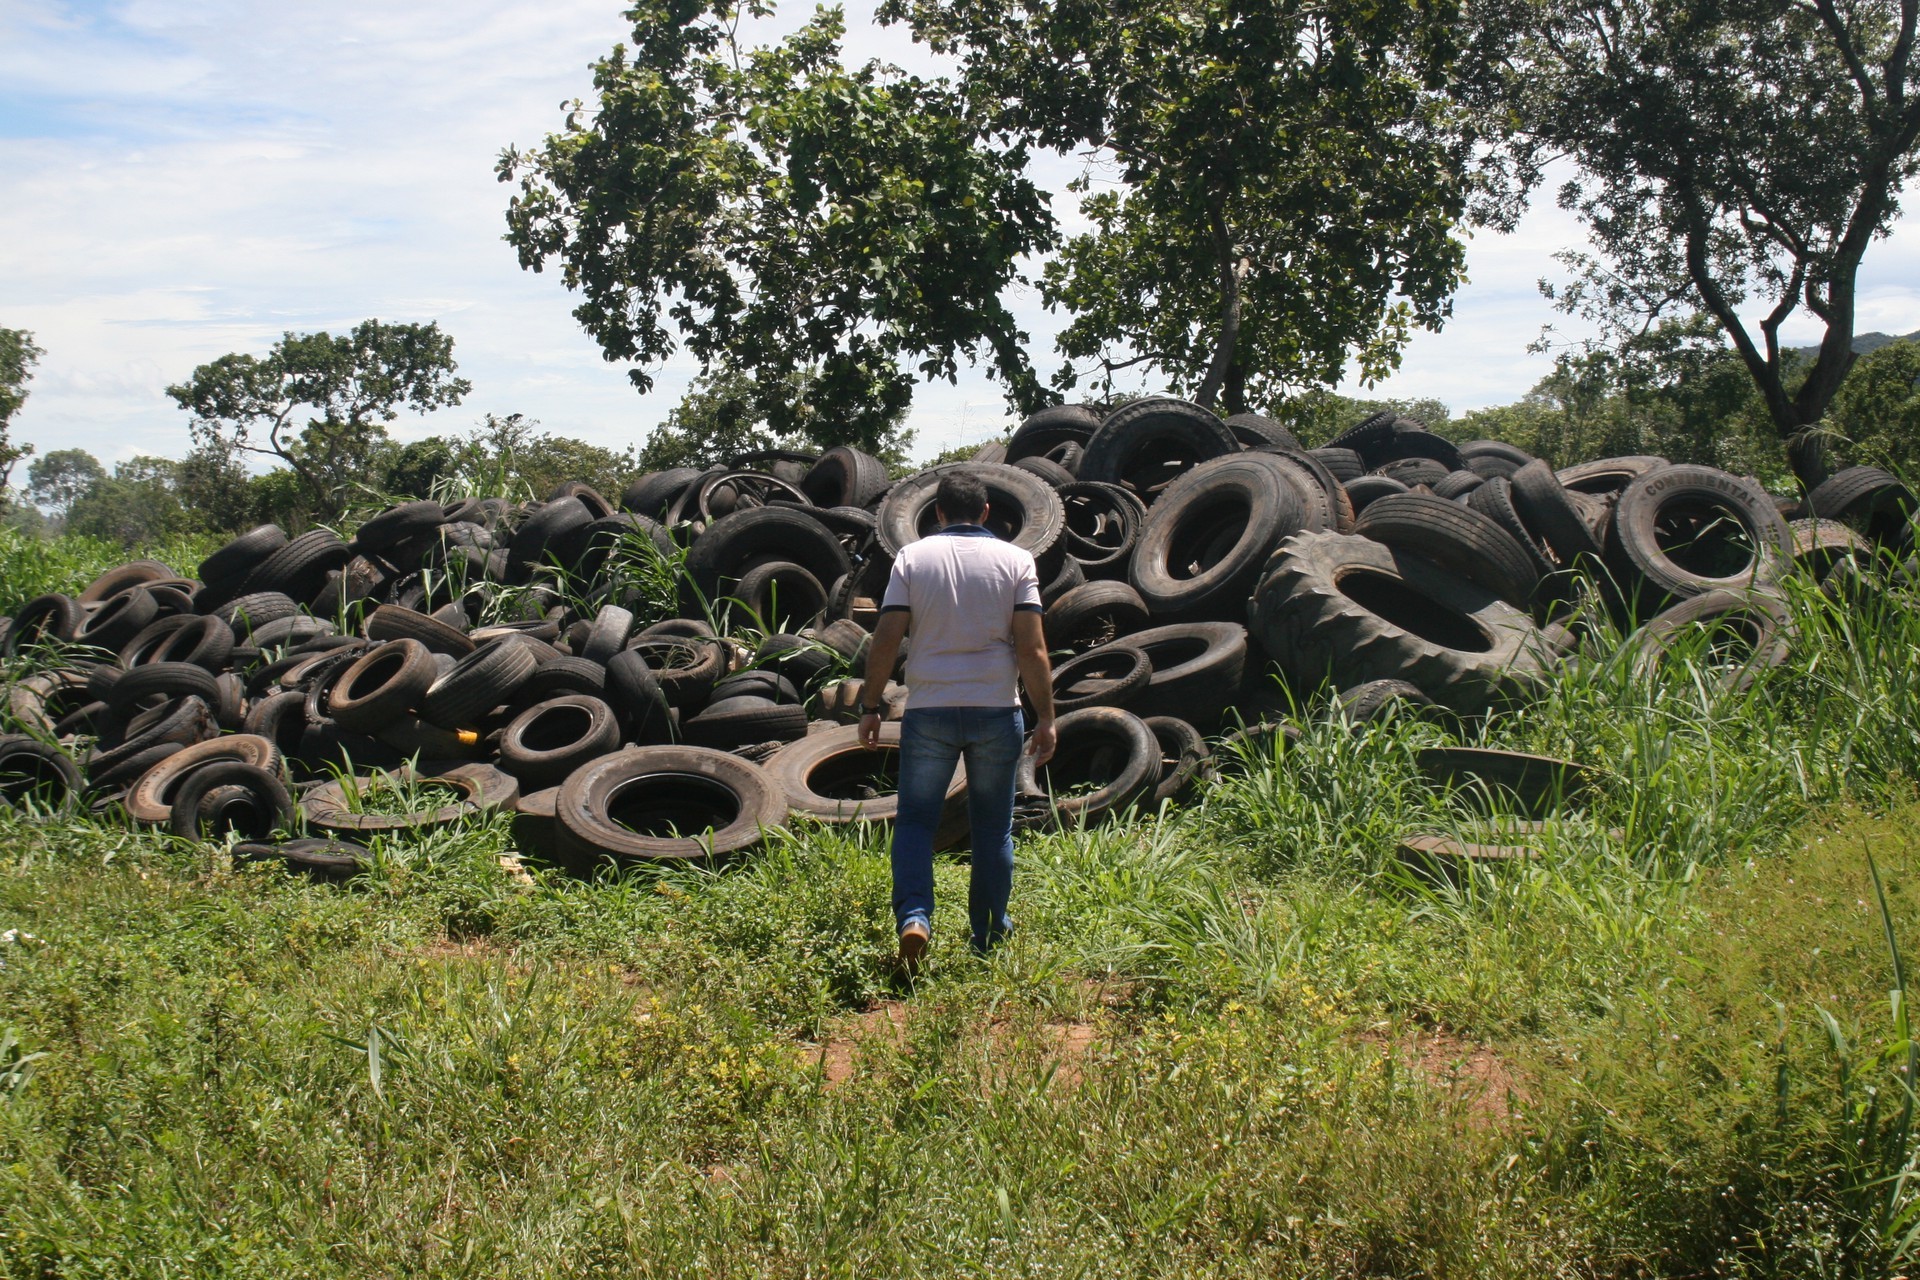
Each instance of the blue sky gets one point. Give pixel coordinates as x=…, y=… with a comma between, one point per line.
x=188, y=179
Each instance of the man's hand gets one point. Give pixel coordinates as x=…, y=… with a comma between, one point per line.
x=870, y=733
x=1042, y=743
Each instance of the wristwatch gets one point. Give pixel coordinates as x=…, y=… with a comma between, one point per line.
x=872, y=711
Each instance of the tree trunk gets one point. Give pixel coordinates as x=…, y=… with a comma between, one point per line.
x=1236, y=388
x=1233, y=272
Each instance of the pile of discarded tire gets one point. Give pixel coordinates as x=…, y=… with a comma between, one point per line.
x=672, y=675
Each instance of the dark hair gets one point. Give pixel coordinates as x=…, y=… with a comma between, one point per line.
x=962, y=496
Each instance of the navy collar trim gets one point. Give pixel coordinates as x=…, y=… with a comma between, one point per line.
x=968, y=531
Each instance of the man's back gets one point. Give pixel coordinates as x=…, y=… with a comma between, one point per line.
x=963, y=587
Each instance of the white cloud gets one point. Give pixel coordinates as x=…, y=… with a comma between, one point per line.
x=188, y=179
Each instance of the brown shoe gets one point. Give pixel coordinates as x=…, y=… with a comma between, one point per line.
x=914, y=937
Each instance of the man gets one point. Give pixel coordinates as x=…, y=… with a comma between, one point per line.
x=973, y=605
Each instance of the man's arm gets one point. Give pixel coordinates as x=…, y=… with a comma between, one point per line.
x=887, y=635
x=1036, y=673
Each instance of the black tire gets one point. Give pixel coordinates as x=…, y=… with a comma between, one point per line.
x=35, y=773
x=622, y=539
x=1257, y=431
x=832, y=778
x=1146, y=444
x=1094, y=614
x=280, y=718
x=789, y=465
x=1870, y=500
x=479, y=682
x=1458, y=485
x=607, y=634
x=1356, y=610
x=230, y=565
x=1607, y=476
x=109, y=777
x=1367, y=490
x=780, y=595
x=1547, y=509
x=169, y=680
x=731, y=546
x=386, y=683
x=845, y=477
x=758, y=682
x=1110, y=676
x=843, y=637
x=255, y=609
x=1021, y=509
x=1535, y=785
x=1328, y=506
x=1041, y=433
x=636, y=697
x=1458, y=539
x=1047, y=469
x=1071, y=575
x=1377, y=699
x=48, y=619
x=1207, y=537
x=1746, y=632
x=1415, y=471
x=652, y=494
x=390, y=622
x=289, y=633
x=299, y=569
x=118, y=619
x=562, y=676
x=1368, y=433
x=1103, y=525
x=549, y=740
x=123, y=578
x=204, y=642
x=398, y=524
x=686, y=669
x=1687, y=508
x=229, y=795
x=545, y=539
x=333, y=861
x=797, y=658
x=183, y=722
x=1820, y=546
x=665, y=803
x=1184, y=758
x=1197, y=666
x=37, y=701
x=482, y=788
x=743, y=722
x=151, y=798
x=1109, y=750
x=1494, y=500
x=1408, y=445
x=1490, y=458
x=1343, y=463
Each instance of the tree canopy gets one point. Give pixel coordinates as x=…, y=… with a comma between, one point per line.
x=18, y=355
x=1733, y=157
x=812, y=227
x=58, y=478
x=352, y=386
x=1283, y=179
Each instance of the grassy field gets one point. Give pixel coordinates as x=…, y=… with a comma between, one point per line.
x=1232, y=1040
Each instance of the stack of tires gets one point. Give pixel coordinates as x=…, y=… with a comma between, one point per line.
x=671, y=675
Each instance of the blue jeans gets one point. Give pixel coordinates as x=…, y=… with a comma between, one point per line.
x=931, y=741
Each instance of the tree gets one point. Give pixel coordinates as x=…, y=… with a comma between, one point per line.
x=214, y=489
x=353, y=384
x=136, y=505
x=1735, y=157
x=782, y=217
x=1291, y=175
x=1877, y=408
x=18, y=355
x=719, y=418
x=506, y=456
x=57, y=479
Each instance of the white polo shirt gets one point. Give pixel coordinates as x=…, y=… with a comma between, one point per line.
x=963, y=586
